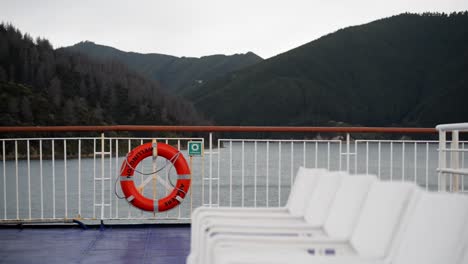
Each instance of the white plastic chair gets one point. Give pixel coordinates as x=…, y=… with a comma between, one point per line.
x=321, y=197
x=381, y=213
x=328, y=214
x=304, y=185
x=435, y=235
x=464, y=257
x=432, y=233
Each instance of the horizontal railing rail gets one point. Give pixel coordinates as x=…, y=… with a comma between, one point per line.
x=453, y=127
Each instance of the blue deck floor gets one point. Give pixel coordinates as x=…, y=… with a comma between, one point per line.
x=159, y=244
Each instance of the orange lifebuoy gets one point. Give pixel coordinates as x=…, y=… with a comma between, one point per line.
x=136, y=198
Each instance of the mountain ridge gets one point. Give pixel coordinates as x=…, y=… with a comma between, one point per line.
x=175, y=74
x=43, y=86
x=388, y=72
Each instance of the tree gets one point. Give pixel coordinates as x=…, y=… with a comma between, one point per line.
x=69, y=114
x=44, y=43
x=25, y=74
x=42, y=86
x=41, y=78
x=26, y=112
x=13, y=106
x=55, y=91
x=83, y=89
x=4, y=49
x=98, y=113
x=12, y=73
x=3, y=75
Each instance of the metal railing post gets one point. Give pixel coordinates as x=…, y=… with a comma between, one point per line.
x=17, y=181
x=348, y=139
x=65, y=176
x=242, y=172
x=454, y=161
x=29, y=177
x=442, y=161
x=79, y=178
x=218, y=177
x=53, y=178
x=4, y=181
x=210, y=183
x=102, y=176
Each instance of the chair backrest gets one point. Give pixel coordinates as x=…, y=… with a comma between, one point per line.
x=304, y=185
x=380, y=217
x=464, y=255
x=434, y=232
x=346, y=206
x=319, y=202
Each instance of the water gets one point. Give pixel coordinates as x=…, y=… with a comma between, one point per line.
x=241, y=182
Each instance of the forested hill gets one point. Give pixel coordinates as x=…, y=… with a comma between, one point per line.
x=43, y=86
x=404, y=70
x=177, y=75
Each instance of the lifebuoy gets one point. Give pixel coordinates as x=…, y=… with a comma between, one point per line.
x=131, y=192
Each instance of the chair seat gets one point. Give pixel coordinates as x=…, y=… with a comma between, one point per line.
x=283, y=255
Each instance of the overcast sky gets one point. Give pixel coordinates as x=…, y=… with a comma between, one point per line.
x=202, y=27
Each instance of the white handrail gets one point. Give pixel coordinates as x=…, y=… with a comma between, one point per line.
x=454, y=126
x=453, y=153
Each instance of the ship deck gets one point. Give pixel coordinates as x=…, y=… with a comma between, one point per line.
x=159, y=244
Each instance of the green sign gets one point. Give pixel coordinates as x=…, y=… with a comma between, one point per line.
x=195, y=148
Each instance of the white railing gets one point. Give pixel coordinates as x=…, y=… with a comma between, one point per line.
x=266, y=168
x=406, y=160
x=64, y=178
x=452, y=170
x=75, y=178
